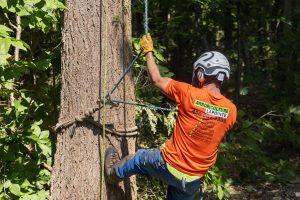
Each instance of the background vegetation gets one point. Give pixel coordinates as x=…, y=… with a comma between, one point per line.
x=260, y=39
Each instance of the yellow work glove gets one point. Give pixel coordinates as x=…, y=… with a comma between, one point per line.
x=146, y=43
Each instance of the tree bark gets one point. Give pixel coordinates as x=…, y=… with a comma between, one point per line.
x=77, y=161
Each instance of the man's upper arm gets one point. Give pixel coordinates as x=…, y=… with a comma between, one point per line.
x=177, y=91
x=162, y=84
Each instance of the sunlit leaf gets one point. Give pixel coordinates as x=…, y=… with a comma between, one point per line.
x=15, y=189
x=18, y=44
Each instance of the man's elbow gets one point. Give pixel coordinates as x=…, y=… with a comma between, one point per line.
x=161, y=83
x=157, y=81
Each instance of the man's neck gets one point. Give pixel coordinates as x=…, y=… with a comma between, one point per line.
x=213, y=89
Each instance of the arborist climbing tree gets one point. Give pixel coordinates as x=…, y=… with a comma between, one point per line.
x=204, y=116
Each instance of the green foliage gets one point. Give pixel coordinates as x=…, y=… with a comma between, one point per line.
x=150, y=120
x=24, y=149
x=26, y=145
x=260, y=40
x=215, y=182
x=36, y=14
x=259, y=149
x=6, y=41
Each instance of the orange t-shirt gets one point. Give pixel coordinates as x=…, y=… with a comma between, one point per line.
x=203, y=120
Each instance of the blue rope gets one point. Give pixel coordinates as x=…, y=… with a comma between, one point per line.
x=142, y=105
x=128, y=69
x=146, y=17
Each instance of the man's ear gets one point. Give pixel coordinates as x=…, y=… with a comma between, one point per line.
x=195, y=81
x=200, y=75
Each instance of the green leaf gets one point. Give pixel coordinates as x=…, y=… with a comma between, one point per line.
x=5, y=44
x=244, y=91
x=4, y=30
x=44, y=135
x=60, y=5
x=15, y=189
x=23, y=12
x=7, y=184
x=25, y=184
x=268, y=125
x=43, y=64
x=220, y=192
x=159, y=56
x=37, y=131
x=3, y=59
x=33, y=137
x=19, y=44
x=10, y=156
x=42, y=194
x=36, y=123
x=9, y=85
x=29, y=197
x=46, y=150
x=19, y=107
x=3, y=3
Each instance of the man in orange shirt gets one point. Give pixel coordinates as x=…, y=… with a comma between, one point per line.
x=204, y=116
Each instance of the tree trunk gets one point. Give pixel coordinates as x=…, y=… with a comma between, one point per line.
x=77, y=162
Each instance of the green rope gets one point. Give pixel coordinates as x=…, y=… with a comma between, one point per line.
x=103, y=141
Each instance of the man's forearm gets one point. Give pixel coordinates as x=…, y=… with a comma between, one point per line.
x=152, y=68
x=158, y=81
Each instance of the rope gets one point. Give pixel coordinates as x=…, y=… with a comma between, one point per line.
x=126, y=71
x=103, y=141
x=108, y=97
x=141, y=105
x=146, y=17
x=79, y=118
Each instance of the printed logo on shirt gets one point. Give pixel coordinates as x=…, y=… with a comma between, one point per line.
x=212, y=109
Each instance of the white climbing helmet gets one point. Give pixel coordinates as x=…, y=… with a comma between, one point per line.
x=213, y=63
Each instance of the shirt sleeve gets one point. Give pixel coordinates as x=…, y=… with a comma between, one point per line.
x=177, y=91
x=232, y=117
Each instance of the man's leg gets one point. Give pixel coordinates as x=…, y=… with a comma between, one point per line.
x=150, y=162
x=144, y=161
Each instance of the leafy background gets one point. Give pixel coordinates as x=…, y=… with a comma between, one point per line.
x=260, y=39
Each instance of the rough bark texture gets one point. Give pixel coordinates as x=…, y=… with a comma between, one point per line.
x=77, y=161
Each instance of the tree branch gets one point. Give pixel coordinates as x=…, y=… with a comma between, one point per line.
x=49, y=168
x=18, y=36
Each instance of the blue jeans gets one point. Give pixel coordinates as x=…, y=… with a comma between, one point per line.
x=150, y=162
